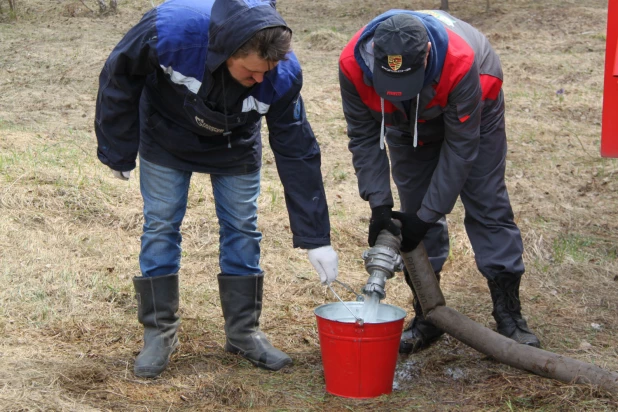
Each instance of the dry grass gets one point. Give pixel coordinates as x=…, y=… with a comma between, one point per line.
x=69, y=232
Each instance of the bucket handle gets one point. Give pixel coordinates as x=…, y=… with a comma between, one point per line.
x=359, y=321
x=359, y=298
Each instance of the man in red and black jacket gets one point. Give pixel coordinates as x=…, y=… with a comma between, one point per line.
x=429, y=86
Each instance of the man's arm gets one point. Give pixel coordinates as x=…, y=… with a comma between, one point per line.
x=298, y=160
x=462, y=120
x=120, y=87
x=370, y=162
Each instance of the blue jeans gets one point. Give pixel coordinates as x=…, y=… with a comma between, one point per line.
x=165, y=192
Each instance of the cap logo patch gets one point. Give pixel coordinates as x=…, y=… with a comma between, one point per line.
x=395, y=61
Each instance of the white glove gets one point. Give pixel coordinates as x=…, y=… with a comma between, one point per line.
x=326, y=262
x=122, y=175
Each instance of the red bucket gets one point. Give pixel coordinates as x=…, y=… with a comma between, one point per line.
x=359, y=360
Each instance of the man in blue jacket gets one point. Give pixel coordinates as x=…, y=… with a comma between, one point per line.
x=186, y=89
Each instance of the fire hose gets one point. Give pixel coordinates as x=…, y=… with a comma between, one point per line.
x=383, y=259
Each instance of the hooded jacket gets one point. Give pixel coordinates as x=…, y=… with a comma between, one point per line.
x=462, y=76
x=164, y=91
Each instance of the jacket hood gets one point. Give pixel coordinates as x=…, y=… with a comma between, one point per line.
x=233, y=22
x=435, y=31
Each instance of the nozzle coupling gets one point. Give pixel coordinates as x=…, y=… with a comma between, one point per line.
x=381, y=262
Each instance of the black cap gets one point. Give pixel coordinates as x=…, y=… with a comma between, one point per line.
x=399, y=48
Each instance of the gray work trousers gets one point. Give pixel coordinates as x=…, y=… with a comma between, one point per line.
x=495, y=238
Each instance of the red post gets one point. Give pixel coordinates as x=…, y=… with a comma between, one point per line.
x=609, y=128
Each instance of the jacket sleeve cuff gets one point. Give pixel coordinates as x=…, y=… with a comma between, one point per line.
x=309, y=243
x=429, y=216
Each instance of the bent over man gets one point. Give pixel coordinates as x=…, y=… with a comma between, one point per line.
x=186, y=89
x=429, y=86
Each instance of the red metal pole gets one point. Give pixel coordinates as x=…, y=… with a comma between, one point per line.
x=609, y=128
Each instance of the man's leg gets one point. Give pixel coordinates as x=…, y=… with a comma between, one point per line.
x=412, y=170
x=241, y=278
x=164, y=191
x=490, y=225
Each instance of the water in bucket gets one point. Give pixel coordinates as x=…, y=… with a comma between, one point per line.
x=359, y=359
x=370, y=308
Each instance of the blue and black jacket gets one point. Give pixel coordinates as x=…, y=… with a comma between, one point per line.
x=156, y=94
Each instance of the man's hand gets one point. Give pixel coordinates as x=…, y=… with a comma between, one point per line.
x=121, y=175
x=413, y=230
x=326, y=262
x=381, y=219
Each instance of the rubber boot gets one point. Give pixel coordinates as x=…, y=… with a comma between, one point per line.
x=241, y=301
x=504, y=291
x=157, y=305
x=420, y=333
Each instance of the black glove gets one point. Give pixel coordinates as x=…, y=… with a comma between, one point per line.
x=413, y=230
x=381, y=219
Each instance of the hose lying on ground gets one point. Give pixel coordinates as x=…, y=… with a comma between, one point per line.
x=488, y=342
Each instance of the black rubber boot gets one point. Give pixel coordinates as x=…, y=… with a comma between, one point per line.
x=504, y=291
x=157, y=305
x=420, y=333
x=241, y=301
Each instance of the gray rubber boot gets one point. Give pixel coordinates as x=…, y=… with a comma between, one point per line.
x=241, y=301
x=157, y=305
x=504, y=291
x=420, y=333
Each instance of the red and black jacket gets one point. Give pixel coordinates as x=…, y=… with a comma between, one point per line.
x=465, y=72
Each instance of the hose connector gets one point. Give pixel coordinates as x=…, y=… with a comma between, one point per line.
x=381, y=262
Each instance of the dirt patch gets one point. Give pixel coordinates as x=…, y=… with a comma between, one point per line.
x=325, y=40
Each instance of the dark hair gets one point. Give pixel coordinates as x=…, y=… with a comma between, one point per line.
x=271, y=44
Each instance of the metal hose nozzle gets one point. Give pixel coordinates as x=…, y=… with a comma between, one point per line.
x=381, y=262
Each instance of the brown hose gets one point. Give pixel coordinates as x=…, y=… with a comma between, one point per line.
x=423, y=278
x=501, y=348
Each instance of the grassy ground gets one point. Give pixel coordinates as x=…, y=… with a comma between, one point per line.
x=69, y=232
